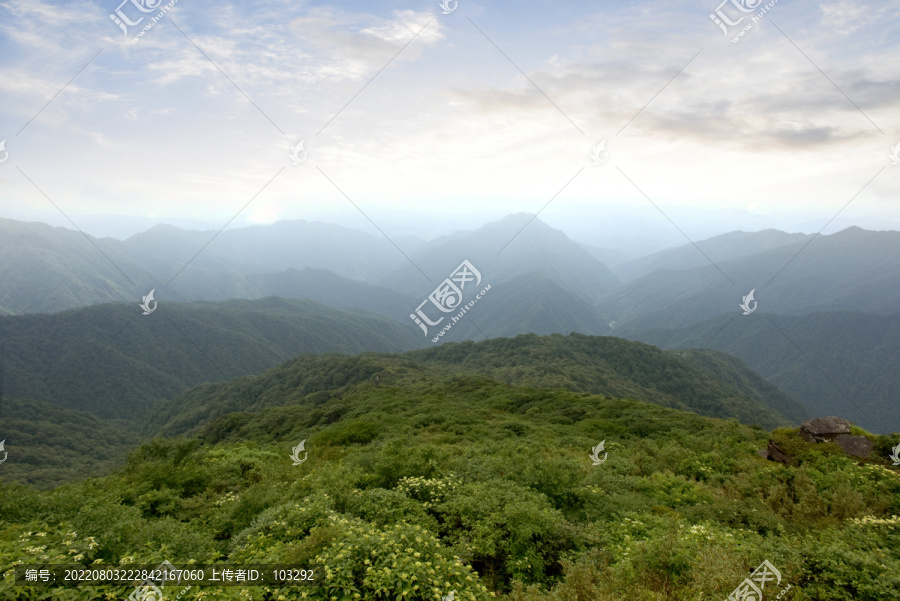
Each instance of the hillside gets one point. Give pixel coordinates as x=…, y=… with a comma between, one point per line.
x=48, y=445
x=112, y=361
x=418, y=487
x=846, y=364
x=45, y=269
x=598, y=365
x=707, y=382
x=317, y=285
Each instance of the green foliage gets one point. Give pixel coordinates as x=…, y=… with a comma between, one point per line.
x=158, y=357
x=709, y=384
x=428, y=484
x=49, y=445
x=506, y=530
x=857, y=351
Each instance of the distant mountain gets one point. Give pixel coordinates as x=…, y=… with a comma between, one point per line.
x=314, y=284
x=46, y=269
x=835, y=363
x=271, y=248
x=114, y=362
x=608, y=256
x=599, y=365
x=726, y=247
x=852, y=270
x=503, y=250
x=528, y=304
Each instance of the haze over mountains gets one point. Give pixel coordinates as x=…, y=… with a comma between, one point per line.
x=825, y=303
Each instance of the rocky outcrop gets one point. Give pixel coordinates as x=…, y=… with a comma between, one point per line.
x=819, y=430
x=858, y=446
x=773, y=453
x=824, y=429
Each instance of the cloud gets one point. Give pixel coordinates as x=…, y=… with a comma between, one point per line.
x=449, y=122
x=846, y=17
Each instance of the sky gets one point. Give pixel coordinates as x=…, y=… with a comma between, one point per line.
x=614, y=121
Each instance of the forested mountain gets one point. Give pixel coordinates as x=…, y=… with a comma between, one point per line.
x=46, y=269
x=717, y=249
x=836, y=363
x=707, y=382
x=540, y=282
x=852, y=270
x=49, y=445
x=293, y=244
x=469, y=489
x=596, y=365
x=532, y=303
x=503, y=250
x=318, y=285
x=113, y=361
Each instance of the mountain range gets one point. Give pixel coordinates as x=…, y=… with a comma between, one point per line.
x=824, y=302
x=115, y=363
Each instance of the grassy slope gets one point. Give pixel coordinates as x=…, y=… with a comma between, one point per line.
x=462, y=483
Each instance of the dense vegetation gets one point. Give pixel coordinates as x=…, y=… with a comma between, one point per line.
x=710, y=384
x=51, y=445
x=416, y=487
x=835, y=296
x=707, y=382
x=836, y=363
x=113, y=361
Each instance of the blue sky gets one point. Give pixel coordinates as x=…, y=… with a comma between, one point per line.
x=775, y=130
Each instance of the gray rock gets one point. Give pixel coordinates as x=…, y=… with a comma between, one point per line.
x=824, y=429
x=858, y=446
x=776, y=454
